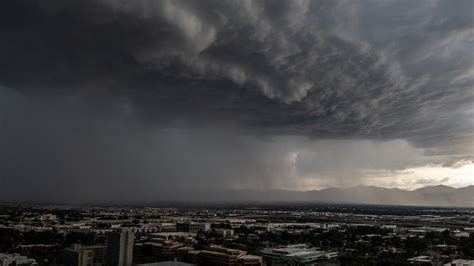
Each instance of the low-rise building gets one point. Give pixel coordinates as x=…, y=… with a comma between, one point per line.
x=16, y=260
x=48, y=217
x=298, y=254
x=78, y=255
x=420, y=259
x=222, y=232
x=32, y=248
x=250, y=260
x=460, y=262
x=218, y=255
x=190, y=227
x=158, y=248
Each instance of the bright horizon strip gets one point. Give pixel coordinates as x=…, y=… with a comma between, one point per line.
x=407, y=179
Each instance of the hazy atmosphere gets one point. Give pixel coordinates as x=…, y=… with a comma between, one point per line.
x=116, y=99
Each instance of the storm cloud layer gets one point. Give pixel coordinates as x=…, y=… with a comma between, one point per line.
x=151, y=94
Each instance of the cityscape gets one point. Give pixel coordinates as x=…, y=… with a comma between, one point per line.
x=236, y=235
x=236, y=132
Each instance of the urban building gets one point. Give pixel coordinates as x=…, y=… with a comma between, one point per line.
x=299, y=254
x=250, y=260
x=16, y=260
x=48, y=217
x=120, y=248
x=35, y=248
x=217, y=255
x=158, y=248
x=78, y=255
x=190, y=227
x=225, y=232
x=420, y=260
x=166, y=227
x=460, y=262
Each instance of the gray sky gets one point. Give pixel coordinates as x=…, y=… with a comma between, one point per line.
x=116, y=98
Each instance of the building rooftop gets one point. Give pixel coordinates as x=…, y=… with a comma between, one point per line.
x=299, y=253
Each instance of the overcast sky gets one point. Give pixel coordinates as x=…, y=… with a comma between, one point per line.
x=124, y=99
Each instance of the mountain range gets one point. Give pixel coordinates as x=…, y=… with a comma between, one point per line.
x=427, y=196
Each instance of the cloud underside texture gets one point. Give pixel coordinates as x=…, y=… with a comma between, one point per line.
x=149, y=94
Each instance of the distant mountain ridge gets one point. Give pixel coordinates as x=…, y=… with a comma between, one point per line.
x=441, y=196
x=427, y=196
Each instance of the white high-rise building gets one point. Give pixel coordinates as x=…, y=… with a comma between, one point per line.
x=120, y=248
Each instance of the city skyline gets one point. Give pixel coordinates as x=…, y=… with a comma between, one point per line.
x=119, y=99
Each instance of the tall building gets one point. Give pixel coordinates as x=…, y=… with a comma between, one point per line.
x=120, y=248
x=78, y=255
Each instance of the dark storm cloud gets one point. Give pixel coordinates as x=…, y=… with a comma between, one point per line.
x=319, y=68
x=112, y=77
